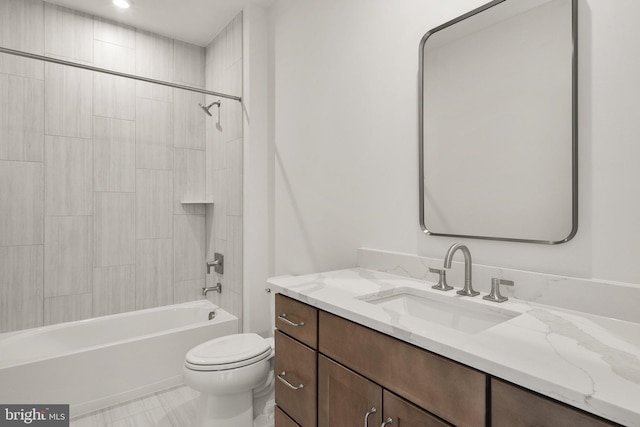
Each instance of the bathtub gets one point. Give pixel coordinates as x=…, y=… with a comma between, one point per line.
x=94, y=363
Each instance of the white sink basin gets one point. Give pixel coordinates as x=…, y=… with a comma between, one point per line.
x=420, y=310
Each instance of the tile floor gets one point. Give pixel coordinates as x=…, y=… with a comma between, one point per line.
x=175, y=407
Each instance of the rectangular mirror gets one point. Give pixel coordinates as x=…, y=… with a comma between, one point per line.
x=498, y=141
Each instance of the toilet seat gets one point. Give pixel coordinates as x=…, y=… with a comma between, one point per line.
x=228, y=352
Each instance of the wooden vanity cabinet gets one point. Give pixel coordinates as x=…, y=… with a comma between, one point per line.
x=347, y=369
x=513, y=406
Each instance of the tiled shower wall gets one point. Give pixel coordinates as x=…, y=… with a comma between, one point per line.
x=224, y=165
x=93, y=168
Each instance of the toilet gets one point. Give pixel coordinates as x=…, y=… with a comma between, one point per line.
x=234, y=375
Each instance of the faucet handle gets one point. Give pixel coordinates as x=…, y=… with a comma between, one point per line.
x=494, y=295
x=442, y=279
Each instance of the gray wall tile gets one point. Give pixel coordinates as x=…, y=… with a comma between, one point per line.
x=68, y=33
x=189, y=119
x=154, y=204
x=154, y=273
x=220, y=206
x=114, y=155
x=22, y=67
x=188, y=290
x=21, y=118
x=154, y=56
x=114, y=97
x=20, y=287
x=234, y=40
x=67, y=308
x=68, y=260
x=114, y=229
x=113, y=32
x=188, y=247
x=154, y=91
x=154, y=134
x=234, y=177
x=189, y=180
x=21, y=29
x=114, y=290
x=188, y=65
x=68, y=101
x=114, y=57
x=233, y=270
x=21, y=207
x=68, y=176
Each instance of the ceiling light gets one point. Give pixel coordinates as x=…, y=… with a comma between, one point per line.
x=123, y=4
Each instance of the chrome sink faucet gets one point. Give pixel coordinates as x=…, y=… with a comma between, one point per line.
x=467, y=290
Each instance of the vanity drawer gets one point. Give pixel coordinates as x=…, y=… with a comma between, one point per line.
x=451, y=391
x=283, y=420
x=297, y=320
x=297, y=365
x=512, y=406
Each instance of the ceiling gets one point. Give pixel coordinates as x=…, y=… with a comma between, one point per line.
x=192, y=21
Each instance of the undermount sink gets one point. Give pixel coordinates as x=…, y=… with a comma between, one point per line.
x=418, y=310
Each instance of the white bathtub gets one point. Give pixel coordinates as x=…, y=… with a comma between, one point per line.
x=95, y=363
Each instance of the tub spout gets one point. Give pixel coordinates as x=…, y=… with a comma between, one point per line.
x=217, y=288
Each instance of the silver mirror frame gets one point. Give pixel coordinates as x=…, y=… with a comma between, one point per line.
x=574, y=128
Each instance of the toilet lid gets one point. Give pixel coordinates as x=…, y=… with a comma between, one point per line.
x=231, y=351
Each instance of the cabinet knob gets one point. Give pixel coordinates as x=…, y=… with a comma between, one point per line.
x=366, y=416
x=386, y=422
x=283, y=317
x=287, y=383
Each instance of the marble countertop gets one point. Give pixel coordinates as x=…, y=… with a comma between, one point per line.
x=587, y=361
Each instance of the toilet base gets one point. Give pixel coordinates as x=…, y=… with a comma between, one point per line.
x=234, y=410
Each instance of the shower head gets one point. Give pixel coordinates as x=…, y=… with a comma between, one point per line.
x=206, y=108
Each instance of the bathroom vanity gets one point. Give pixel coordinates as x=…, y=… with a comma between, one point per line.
x=353, y=347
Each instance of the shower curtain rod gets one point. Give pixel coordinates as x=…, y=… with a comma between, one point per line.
x=115, y=73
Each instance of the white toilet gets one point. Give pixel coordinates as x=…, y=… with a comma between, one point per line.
x=233, y=374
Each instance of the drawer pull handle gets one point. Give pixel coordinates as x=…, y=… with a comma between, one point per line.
x=283, y=317
x=366, y=416
x=386, y=422
x=287, y=383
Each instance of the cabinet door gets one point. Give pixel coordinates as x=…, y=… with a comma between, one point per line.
x=296, y=379
x=513, y=406
x=344, y=397
x=283, y=420
x=405, y=414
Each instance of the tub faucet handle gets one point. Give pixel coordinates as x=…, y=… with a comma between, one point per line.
x=217, y=264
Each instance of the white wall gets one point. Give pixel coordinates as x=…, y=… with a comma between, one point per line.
x=345, y=135
x=256, y=171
